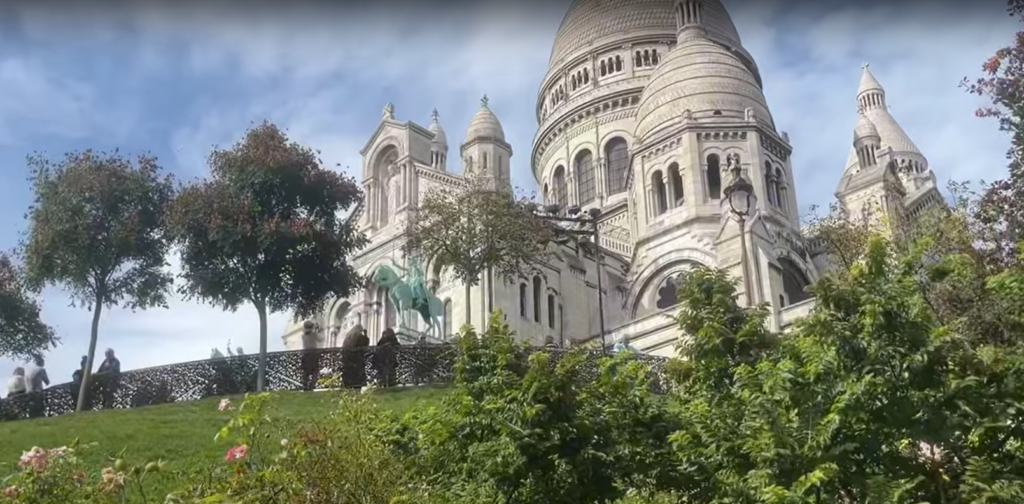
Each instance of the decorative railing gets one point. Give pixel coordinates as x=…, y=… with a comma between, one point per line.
x=386, y=366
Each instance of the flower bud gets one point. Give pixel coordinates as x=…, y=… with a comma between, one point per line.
x=120, y=464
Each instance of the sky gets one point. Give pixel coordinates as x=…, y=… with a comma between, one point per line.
x=177, y=80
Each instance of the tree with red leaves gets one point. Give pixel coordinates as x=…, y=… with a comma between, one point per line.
x=266, y=229
x=1001, y=209
x=97, y=228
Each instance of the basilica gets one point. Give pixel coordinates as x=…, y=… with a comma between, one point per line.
x=647, y=112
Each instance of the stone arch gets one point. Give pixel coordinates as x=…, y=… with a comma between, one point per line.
x=336, y=322
x=657, y=291
x=794, y=281
x=659, y=189
x=648, y=274
x=386, y=144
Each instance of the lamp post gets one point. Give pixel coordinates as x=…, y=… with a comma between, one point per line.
x=589, y=222
x=740, y=194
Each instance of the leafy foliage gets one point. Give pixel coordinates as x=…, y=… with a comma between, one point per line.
x=869, y=399
x=473, y=228
x=22, y=331
x=265, y=229
x=520, y=430
x=97, y=228
x=1002, y=208
x=842, y=237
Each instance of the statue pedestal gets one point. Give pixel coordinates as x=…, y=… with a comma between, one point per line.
x=409, y=336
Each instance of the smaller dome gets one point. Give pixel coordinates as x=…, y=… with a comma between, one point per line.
x=865, y=129
x=485, y=125
x=435, y=127
x=702, y=80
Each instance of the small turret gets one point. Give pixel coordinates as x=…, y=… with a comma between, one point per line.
x=485, y=152
x=866, y=141
x=439, y=145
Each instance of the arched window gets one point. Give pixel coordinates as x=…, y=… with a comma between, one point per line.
x=604, y=69
x=616, y=154
x=618, y=63
x=547, y=195
x=769, y=183
x=536, y=298
x=794, y=282
x=446, y=322
x=780, y=189
x=654, y=56
x=714, y=175
x=551, y=311
x=668, y=293
x=522, y=300
x=658, y=188
x=647, y=57
x=676, y=182
x=637, y=60
x=585, y=176
x=573, y=83
x=561, y=191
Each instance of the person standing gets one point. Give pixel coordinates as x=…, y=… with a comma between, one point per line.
x=37, y=380
x=108, y=378
x=76, y=379
x=310, y=355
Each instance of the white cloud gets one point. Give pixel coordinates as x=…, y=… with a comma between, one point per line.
x=324, y=77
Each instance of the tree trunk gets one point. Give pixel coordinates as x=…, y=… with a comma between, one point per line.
x=261, y=369
x=83, y=389
x=469, y=303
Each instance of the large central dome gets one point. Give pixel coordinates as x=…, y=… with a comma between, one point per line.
x=592, y=21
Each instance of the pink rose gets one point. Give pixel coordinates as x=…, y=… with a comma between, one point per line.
x=236, y=453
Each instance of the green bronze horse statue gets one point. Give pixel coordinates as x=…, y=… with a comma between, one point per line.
x=411, y=294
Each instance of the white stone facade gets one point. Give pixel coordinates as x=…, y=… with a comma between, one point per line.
x=646, y=105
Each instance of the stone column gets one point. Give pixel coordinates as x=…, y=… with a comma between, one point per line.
x=369, y=189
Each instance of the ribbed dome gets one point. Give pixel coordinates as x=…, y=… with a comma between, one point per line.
x=435, y=128
x=703, y=77
x=865, y=129
x=485, y=125
x=599, y=21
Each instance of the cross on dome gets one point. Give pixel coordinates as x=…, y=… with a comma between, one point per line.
x=434, y=115
x=865, y=66
x=483, y=101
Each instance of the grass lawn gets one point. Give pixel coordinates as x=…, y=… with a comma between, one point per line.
x=181, y=434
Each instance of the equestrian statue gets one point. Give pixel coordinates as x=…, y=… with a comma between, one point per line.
x=411, y=294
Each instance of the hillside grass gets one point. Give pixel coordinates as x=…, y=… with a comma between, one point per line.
x=181, y=434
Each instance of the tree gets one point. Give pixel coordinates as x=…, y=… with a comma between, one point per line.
x=1002, y=208
x=22, y=331
x=539, y=428
x=871, y=398
x=266, y=229
x=839, y=235
x=472, y=229
x=97, y=228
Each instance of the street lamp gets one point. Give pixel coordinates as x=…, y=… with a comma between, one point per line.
x=740, y=194
x=590, y=219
